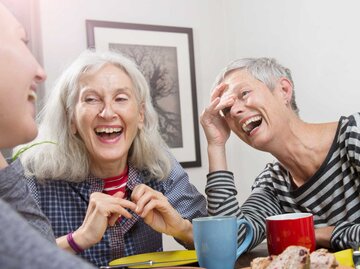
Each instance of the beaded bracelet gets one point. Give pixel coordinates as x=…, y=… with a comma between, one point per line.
x=73, y=244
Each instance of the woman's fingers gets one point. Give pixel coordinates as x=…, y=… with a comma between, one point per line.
x=119, y=194
x=113, y=219
x=108, y=206
x=218, y=91
x=103, y=210
x=143, y=196
x=151, y=205
x=224, y=102
x=137, y=192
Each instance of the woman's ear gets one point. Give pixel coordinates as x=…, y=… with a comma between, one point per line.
x=286, y=89
x=73, y=127
x=141, y=116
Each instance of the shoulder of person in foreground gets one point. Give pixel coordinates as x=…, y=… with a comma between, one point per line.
x=15, y=192
x=23, y=247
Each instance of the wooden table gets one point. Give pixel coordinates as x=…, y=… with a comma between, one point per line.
x=245, y=259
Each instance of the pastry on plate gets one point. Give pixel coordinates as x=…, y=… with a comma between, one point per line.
x=322, y=259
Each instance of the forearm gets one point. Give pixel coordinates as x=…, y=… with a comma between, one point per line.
x=63, y=243
x=217, y=158
x=323, y=236
x=77, y=237
x=185, y=234
x=344, y=235
x=221, y=193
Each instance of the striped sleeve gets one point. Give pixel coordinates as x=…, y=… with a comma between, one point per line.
x=351, y=137
x=221, y=193
x=346, y=232
x=345, y=235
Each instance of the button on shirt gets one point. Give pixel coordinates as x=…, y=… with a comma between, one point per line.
x=65, y=204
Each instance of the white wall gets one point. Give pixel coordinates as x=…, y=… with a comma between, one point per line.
x=318, y=40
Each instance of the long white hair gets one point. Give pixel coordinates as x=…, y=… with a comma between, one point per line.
x=68, y=159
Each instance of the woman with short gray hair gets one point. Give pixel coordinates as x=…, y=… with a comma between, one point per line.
x=316, y=166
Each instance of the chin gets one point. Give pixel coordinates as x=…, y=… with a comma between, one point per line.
x=29, y=135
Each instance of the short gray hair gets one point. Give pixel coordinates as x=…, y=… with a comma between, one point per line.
x=69, y=159
x=266, y=70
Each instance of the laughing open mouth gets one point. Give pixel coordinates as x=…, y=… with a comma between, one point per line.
x=32, y=96
x=108, y=133
x=251, y=124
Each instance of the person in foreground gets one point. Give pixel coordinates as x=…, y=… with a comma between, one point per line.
x=27, y=240
x=317, y=167
x=109, y=186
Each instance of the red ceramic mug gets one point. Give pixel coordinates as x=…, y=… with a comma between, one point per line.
x=290, y=229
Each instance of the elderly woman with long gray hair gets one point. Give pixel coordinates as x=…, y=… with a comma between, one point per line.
x=108, y=182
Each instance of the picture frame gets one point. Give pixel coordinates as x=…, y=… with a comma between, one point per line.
x=165, y=55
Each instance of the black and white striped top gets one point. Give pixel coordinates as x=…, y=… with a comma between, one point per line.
x=332, y=194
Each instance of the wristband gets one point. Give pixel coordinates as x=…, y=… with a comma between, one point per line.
x=73, y=244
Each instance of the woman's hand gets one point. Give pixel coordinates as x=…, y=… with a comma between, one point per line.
x=158, y=213
x=103, y=210
x=216, y=129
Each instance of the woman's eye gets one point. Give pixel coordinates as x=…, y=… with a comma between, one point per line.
x=91, y=99
x=244, y=93
x=225, y=110
x=121, y=98
x=26, y=41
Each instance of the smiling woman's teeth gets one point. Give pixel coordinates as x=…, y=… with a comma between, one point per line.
x=251, y=123
x=108, y=130
x=33, y=96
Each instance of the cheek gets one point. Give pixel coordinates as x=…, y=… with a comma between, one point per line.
x=229, y=121
x=130, y=113
x=81, y=121
x=236, y=128
x=251, y=100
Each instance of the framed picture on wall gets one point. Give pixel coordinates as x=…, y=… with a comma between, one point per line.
x=165, y=55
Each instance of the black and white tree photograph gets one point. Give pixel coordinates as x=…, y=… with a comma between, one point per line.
x=165, y=56
x=159, y=66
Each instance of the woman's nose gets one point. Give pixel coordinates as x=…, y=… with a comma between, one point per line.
x=107, y=112
x=40, y=74
x=237, y=108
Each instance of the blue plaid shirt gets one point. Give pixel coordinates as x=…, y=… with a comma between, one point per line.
x=65, y=204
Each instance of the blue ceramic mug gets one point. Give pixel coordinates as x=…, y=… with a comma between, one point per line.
x=215, y=240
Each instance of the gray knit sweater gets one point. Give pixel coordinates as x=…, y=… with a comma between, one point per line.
x=26, y=237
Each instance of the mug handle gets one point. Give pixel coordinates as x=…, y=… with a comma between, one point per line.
x=248, y=237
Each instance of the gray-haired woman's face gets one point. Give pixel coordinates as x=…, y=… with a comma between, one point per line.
x=107, y=116
x=254, y=112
